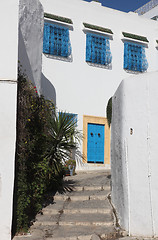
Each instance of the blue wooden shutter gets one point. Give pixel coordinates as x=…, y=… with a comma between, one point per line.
x=88, y=47
x=46, y=38
x=64, y=42
x=53, y=30
x=134, y=57
x=98, y=49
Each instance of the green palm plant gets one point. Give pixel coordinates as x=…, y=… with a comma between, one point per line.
x=63, y=138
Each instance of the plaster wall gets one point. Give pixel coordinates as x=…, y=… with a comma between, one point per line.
x=134, y=154
x=8, y=95
x=80, y=87
x=9, y=39
x=8, y=104
x=31, y=40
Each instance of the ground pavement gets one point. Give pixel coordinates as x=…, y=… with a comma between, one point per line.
x=82, y=212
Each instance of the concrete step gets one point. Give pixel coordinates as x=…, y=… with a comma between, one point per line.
x=77, y=210
x=76, y=223
x=82, y=237
x=79, y=197
x=79, y=232
x=92, y=204
x=83, y=217
x=89, y=188
x=88, y=192
x=78, y=219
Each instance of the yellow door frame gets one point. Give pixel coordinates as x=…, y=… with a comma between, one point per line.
x=96, y=120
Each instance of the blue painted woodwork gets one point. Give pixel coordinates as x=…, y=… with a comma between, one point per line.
x=134, y=57
x=71, y=116
x=98, y=49
x=56, y=40
x=95, y=143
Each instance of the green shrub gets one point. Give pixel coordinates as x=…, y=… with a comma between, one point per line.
x=44, y=141
x=32, y=171
x=109, y=111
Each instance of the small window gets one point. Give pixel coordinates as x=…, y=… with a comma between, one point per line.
x=70, y=116
x=56, y=40
x=134, y=57
x=155, y=18
x=98, y=49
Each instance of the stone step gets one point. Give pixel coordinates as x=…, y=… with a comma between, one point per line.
x=74, y=211
x=89, y=188
x=77, y=223
x=87, y=192
x=92, y=204
x=82, y=237
x=79, y=198
x=83, y=217
x=80, y=232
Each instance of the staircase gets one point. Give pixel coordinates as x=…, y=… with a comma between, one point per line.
x=82, y=212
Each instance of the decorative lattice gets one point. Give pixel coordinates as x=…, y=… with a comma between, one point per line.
x=56, y=40
x=98, y=49
x=70, y=116
x=134, y=57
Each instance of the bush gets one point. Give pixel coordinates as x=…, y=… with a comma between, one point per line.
x=32, y=180
x=44, y=141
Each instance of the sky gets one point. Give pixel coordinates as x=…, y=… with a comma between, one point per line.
x=123, y=5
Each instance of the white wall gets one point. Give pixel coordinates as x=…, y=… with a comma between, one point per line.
x=134, y=154
x=8, y=101
x=31, y=39
x=79, y=87
x=9, y=40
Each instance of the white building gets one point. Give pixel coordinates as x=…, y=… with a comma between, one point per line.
x=87, y=48
x=17, y=43
x=134, y=155
x=8, y=100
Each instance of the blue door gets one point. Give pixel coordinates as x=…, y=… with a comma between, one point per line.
x=95, y=144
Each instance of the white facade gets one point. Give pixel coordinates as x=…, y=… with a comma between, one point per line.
x=8, y=100
x=134, y=154
x=79, y=87
x=28, y=49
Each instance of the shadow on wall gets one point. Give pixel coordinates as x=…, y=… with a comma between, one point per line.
x=24, y=59
x=47, y=89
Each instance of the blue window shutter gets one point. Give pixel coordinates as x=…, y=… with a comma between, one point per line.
x=98, y=49
x=125, y=55
x=53, y=31
x=134, y=57
x=56, y=40
x=88, y=47
x=72, y=116
x=64, y=42
x=46, y=38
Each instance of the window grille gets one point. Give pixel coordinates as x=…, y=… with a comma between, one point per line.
x=98, y=49
x=134, y=57
x=56, y=40
x=70, y=116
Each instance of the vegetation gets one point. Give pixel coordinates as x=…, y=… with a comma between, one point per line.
x=94, y=27
x=109, y=111
x=44, y=141
x=133, y=36
x=58, y=18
